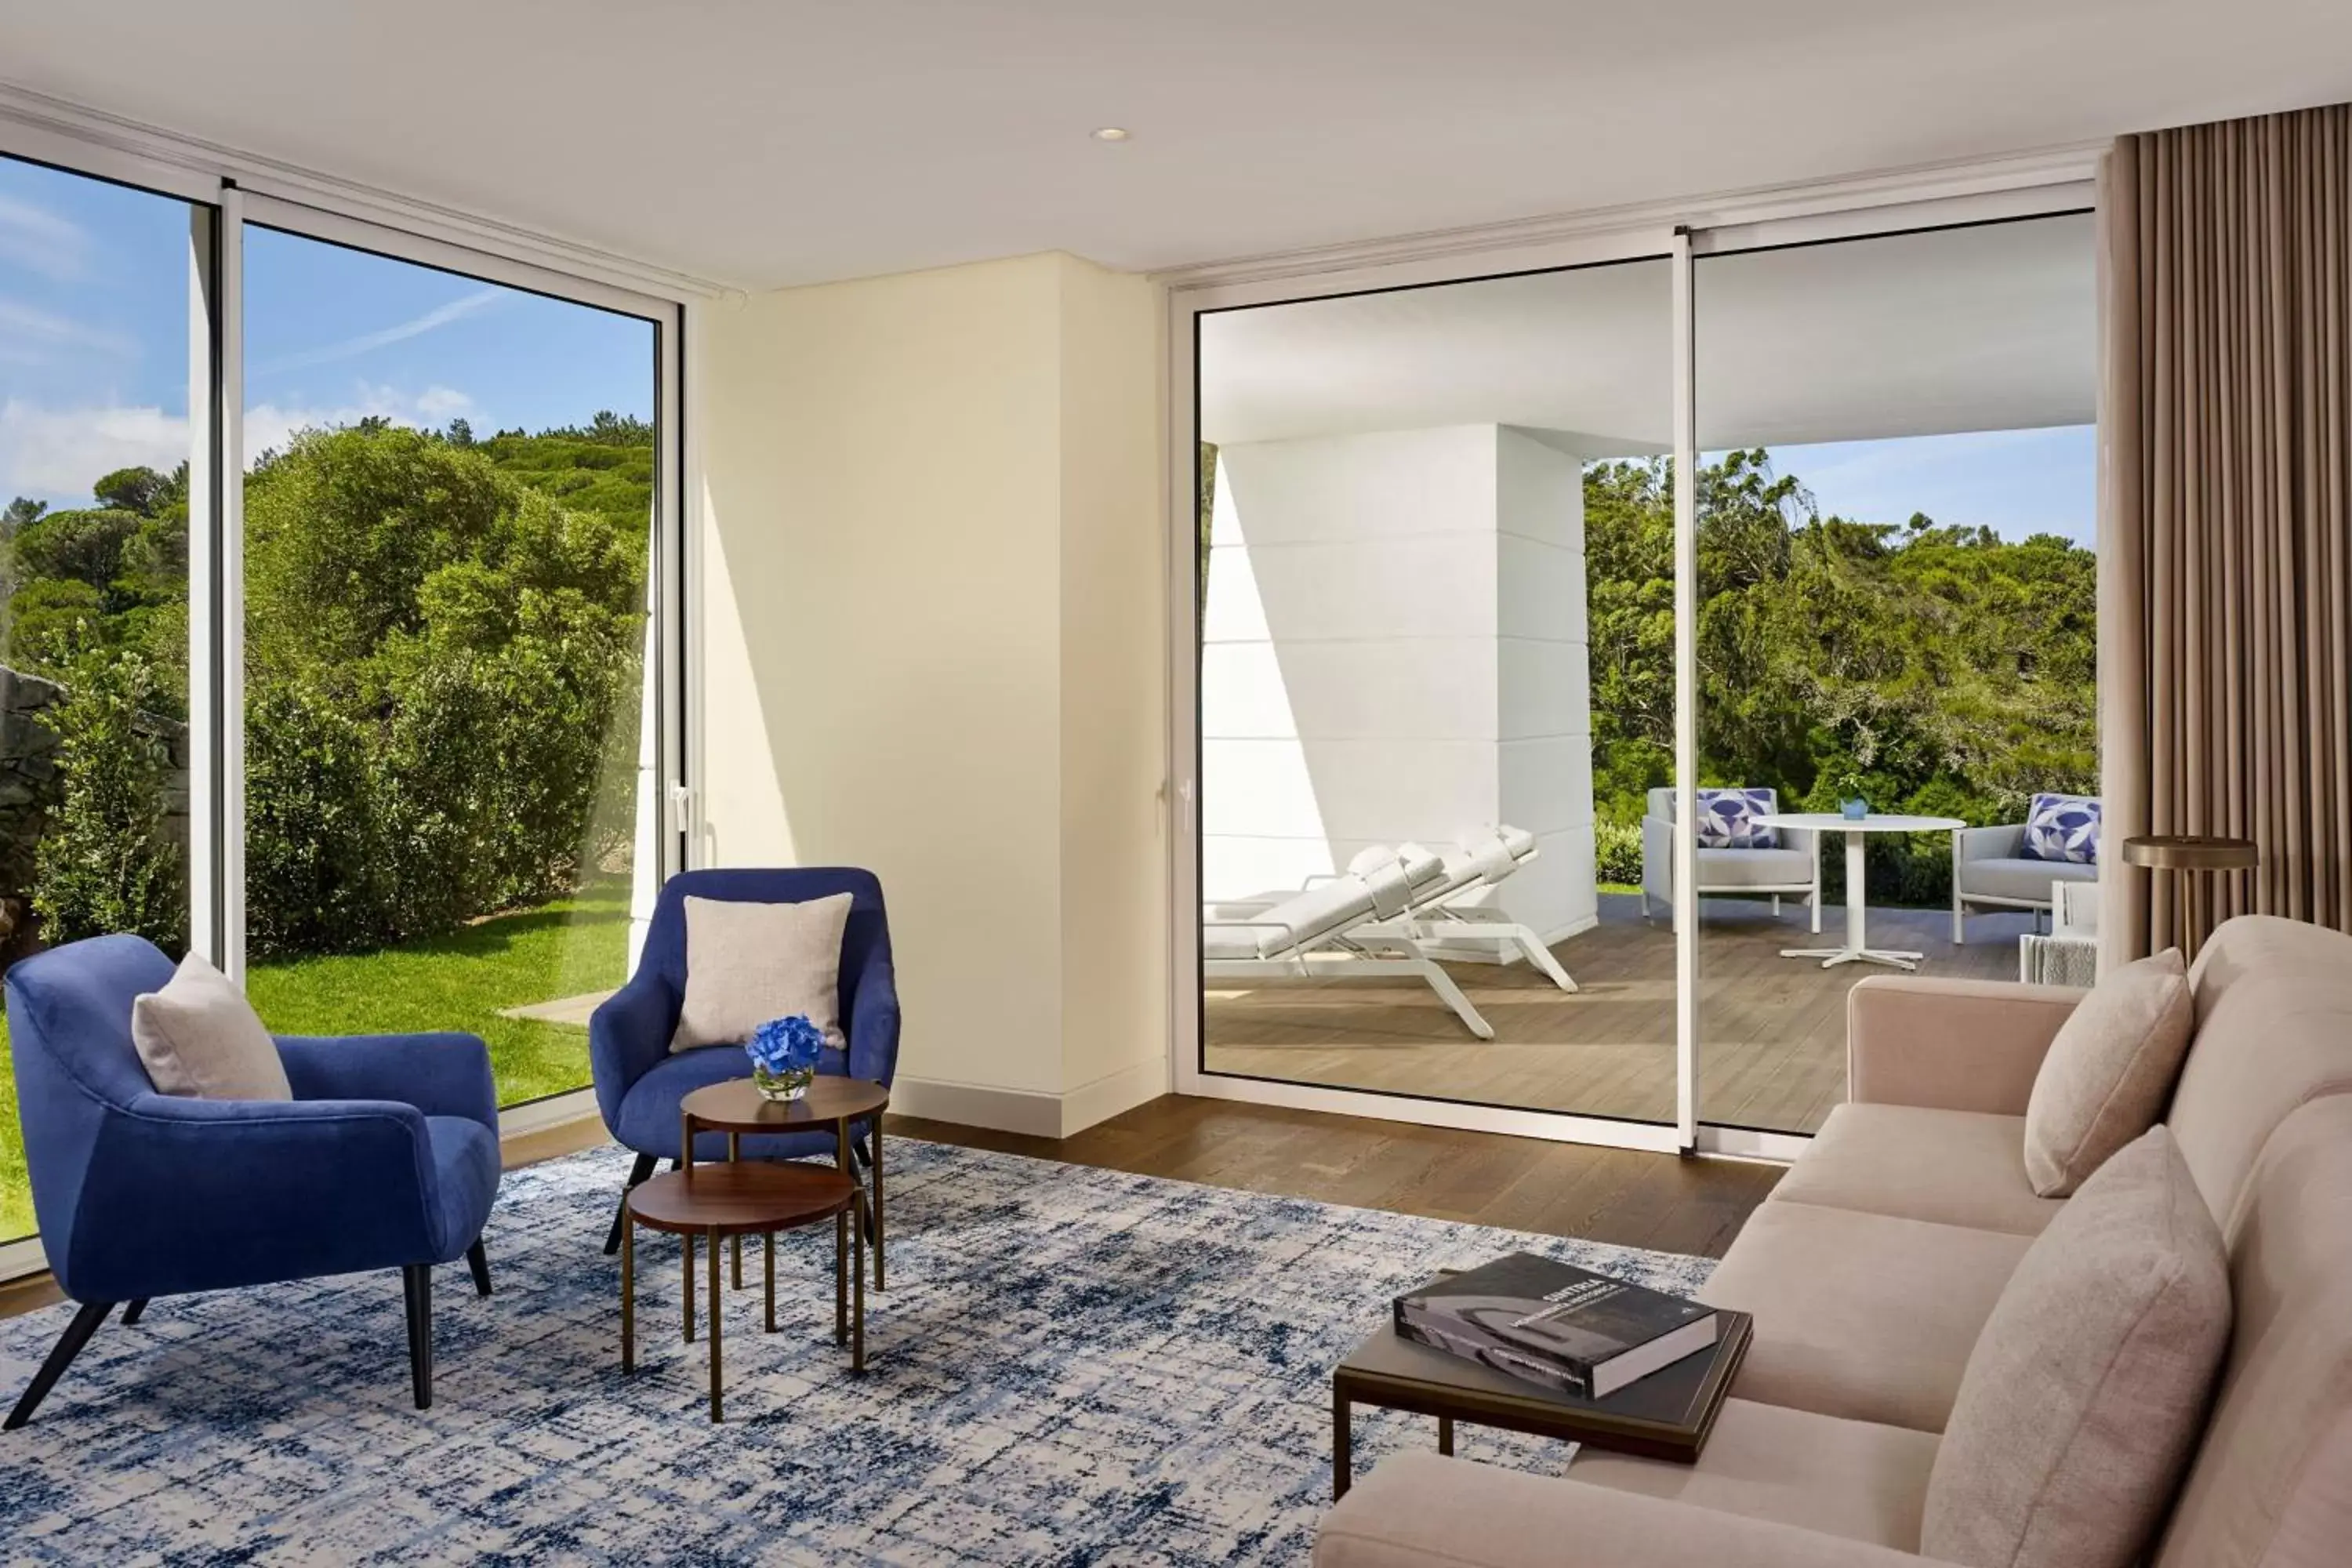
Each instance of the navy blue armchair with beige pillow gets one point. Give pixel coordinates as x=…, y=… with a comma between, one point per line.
x=727, y=951
x=175, y=1145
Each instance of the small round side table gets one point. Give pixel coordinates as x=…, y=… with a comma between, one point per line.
x=737, y=1107
x=754, y=1197
x=2191, y=857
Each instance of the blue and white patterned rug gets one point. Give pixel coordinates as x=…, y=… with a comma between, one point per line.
x=1071, y=1366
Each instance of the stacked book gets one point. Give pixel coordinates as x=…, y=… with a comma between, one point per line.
x=1556, y=1325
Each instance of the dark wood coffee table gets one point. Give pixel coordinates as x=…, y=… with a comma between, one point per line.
x=749, y=1197
x=1665, y=1415
x=737, y=1107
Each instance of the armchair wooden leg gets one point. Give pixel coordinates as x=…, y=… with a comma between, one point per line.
x=638, y=1173
x=85, y=1323
x=136, y=1310
x=479, y=1262
x=416, y=1288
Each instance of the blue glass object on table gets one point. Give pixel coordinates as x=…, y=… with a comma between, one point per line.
x=784, y=1053
x=1853, y=810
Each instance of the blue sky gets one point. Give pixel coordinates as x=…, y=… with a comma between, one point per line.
x=94, y=355
x=2017, y=482
x=94, y=364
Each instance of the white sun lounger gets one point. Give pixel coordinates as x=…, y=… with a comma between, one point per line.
x=1338, y=926
x=1482, y=862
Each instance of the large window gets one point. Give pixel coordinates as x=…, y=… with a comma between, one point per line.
x=448, y=520
x=95, y=464
x=389, y=739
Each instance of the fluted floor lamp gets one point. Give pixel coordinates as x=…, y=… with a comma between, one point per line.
x=2191, y=858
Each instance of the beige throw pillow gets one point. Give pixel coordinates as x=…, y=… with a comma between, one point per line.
x=745, y=963
x=2108, y=1073
x=198, y=1036
x=2085, y=1395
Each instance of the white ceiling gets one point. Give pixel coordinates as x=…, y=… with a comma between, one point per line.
x=768, y=141
x=1987, y=328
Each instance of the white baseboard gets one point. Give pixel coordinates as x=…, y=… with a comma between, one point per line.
x=1026, y=1111
x=539, y=1115
x=1105, y=1097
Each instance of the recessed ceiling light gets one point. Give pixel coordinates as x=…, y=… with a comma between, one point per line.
x=1111, y=133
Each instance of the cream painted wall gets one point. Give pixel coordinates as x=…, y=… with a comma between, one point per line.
x=929, y=639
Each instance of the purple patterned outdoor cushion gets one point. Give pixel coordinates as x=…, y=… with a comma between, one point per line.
x=2063, y=827
x=1728, y=819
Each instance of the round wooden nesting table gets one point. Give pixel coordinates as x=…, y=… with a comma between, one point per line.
x=752, y=1197
x=737, y=1107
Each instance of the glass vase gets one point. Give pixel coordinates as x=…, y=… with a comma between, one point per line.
x=783, y=1086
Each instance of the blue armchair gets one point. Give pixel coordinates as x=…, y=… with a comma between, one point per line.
x=387, y=1157
x=640, y=1083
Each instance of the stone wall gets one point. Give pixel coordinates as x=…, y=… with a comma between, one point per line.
x=31, y=787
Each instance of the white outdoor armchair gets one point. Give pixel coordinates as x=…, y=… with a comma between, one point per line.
x=1792, y=870
x=1991, y=871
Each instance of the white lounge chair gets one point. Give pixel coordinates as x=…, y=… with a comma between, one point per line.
x=1485, y=861
x=1338, y=925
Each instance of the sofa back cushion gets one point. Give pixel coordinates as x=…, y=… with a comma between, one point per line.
x=2109, y=1072
x=2270, y=1483
x=2273, y=1000
x=2082, y=1398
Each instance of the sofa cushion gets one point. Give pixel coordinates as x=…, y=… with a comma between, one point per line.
x=199, y=1038
x=1725, y=869
x=1861, y=1315
x=2272, y=1482
x=2259, y=1051
x=2028, y=880
x=2108, y=1073
x=1952, y=1167
x=1855, y=1478
x=747, y=962
x=2086, y=1393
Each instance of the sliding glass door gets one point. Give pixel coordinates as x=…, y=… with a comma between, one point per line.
x=1541, y=618
x=1897, y=606
x=1436, y=692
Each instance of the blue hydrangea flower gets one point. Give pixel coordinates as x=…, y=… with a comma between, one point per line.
x=785, y=1045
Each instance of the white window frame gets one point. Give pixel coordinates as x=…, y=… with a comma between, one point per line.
x=2034, y=185
x=216, y=184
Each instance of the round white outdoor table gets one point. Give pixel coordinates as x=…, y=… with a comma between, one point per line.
x=1857, y=949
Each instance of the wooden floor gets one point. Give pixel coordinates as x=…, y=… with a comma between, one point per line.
x=1522, y=1184
x=1771, y=1029
x=1653, y=1200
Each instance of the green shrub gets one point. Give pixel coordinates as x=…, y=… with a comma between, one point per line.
x=109, y=861
x=1617, y=852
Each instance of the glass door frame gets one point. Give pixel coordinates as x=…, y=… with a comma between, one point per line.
x=2008, y=188
x=220, y=209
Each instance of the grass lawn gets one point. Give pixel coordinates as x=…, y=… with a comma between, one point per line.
x=456, y=981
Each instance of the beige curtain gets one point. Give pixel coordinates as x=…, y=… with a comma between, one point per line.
x=2225, y=528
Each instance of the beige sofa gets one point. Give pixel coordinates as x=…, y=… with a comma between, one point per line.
x=1878, y=1259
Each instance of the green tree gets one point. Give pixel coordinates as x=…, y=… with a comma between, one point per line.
x=110, y=862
